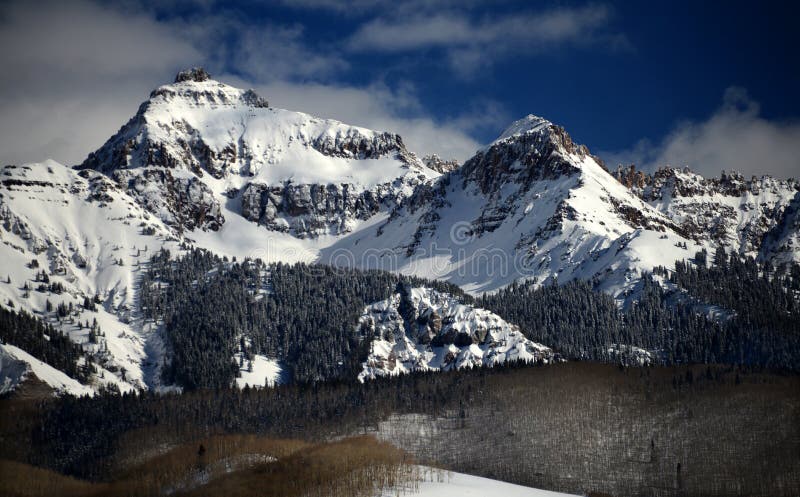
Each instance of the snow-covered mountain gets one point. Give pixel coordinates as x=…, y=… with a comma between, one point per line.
x=532, y=204
x=196, y=139
x=205, y=164
x=535, y=205
x=200, y=163
x=216, y=160
x=421, y=329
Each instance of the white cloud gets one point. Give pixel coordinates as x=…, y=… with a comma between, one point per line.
x=734, y=138
x=339, y=6
x=275, y=53
x=79, y=70
x=73, y=73
x=470, y=43
x=445, y=30
x=262, y=51
x=387, y=7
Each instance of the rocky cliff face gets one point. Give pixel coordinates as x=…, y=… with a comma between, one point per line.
x=531, y=149
x=751, y=216
x=440, y=165
x=182, y=202
x=310, y=210
x=420, y=329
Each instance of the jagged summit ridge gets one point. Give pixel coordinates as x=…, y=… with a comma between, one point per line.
x=752, y=216
x=531, y=149
x=526, y=125
x=197, y=74
x=534, y=131
x=195, y=87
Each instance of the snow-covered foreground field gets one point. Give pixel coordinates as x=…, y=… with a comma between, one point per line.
x=450, y=484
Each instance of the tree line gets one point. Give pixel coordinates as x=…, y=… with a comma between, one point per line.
x=761, y=327
x=303, y=315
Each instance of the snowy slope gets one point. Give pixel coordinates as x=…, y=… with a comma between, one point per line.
x=78, y=227
x=16, y=366
x=260, y=372
x=421, y=329
x=436, y=483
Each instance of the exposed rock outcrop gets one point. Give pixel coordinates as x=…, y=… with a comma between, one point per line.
x=420, y=329
x=311, y=210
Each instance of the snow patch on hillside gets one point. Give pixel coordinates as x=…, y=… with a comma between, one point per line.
x=438, y=483
x=260, y=372
x=84, y=233
x=16, y=365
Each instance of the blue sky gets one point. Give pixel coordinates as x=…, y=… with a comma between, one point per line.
x=711, y=85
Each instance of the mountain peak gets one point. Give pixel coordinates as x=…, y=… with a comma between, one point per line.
x=198, y=127
x=196, y=88
x=526, y=125
x=530, y=149
x=197, y=74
